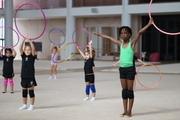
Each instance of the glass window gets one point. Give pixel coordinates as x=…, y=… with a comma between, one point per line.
x=1, y=32
x=155, y=41
x=147, y=1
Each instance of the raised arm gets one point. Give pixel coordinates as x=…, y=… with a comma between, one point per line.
x=90, y=48
x=118, y=42
x=139, y=60
x=32, y=47
x=21, y=46
x=14, y=52
x=51, y=48
x=82, y=54
x=1, y=52
x=134, y=41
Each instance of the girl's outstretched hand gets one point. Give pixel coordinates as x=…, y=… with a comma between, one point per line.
x=151, y=21
x=77, y=47
x=90, y=42
x=113, y=65
x=26, y=37
x=95, y=33
x=29, y=39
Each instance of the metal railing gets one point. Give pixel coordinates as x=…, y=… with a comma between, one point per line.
x=147, y=1
x=44, y=4
x=87, y=3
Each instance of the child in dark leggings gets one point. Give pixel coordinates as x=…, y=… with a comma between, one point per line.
x=127, y=71
x=89, y=71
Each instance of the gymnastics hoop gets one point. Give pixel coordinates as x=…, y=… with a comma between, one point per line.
x=16, y=34
x=67, y=57
x=58, y=29
x=15, y=15
x=83, y=29
x=168, y=33
x=134, y=85
x=160, y=77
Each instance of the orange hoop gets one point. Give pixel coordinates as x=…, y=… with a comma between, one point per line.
x=160, y=77
x=134, y=85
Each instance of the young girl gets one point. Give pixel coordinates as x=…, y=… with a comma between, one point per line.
x=127, y=71
x=8, y=71
x=89, y=71
x=54, y=57
x=28, y=81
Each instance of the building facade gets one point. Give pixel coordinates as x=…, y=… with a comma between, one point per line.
x=103, y=16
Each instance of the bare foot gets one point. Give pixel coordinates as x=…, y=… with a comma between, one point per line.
x=123, y=114
x=128, y=114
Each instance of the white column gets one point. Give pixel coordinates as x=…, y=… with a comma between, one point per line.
x=114, y=47
x=126, y=17
x=81, y=36
x=8, y=22
x=99, y=43
x=93, y=37
x=70, y=27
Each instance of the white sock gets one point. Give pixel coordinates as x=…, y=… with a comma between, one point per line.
x=92, y=99
x=85, y=99
x=23, y=107
x=55, y=77
x=31, y=107
x=50, y=77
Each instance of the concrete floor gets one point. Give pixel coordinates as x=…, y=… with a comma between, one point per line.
x=62, y=99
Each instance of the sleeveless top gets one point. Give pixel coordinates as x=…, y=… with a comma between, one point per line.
x=55, y=56
x=126, y=56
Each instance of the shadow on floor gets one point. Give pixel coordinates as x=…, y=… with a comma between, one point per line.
x=161, y=110
x=56, y=106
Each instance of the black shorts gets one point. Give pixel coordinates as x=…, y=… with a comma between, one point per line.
x=127, y=73
x=89, y=78
x=8, y=75
x=27, y=83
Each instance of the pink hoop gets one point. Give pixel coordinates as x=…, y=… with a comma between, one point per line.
x=83, y=29
x=168, y=33
x=42, y=14
x=16, y=34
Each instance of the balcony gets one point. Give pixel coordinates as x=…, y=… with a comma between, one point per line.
x=44, y=4
x=147, y=1
x=90, y=3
